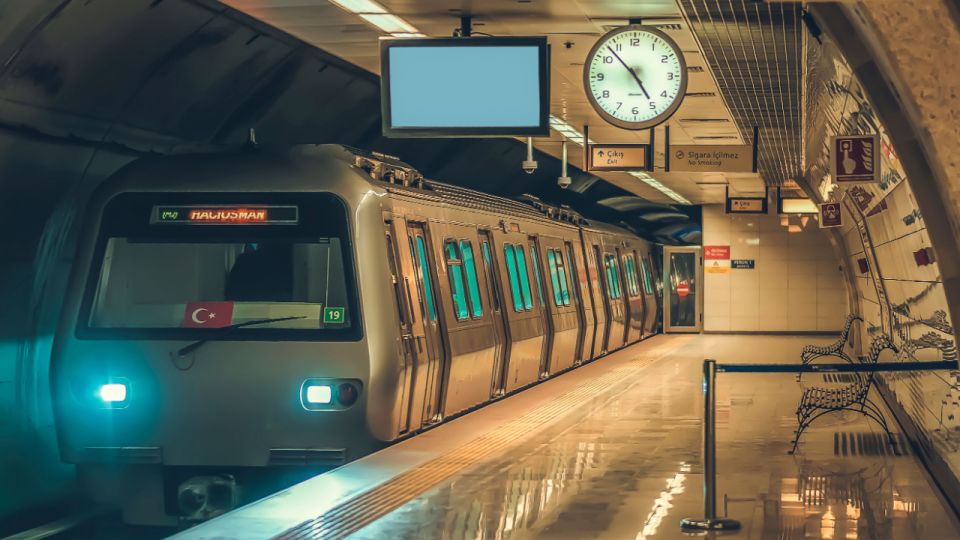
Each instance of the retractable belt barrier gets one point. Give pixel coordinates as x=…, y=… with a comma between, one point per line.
x=710, y=522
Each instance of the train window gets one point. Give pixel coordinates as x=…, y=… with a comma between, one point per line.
x=552, y=263
x=425, y=278
x=524, y=276
x=562, y=278
x=509, y=255
x=633, y=288
x=536, y=271
x=647, y=278
x=455, y=273
x=613, y=275
x=195, y=283
x=470, y=269
x=574, y=277
x=395, y=278
x=490, y=276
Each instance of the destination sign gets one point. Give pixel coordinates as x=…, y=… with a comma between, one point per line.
x=225, y=215
x=736, y=158
x=618, y=157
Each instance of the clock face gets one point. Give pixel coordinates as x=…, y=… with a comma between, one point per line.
x=635, y=77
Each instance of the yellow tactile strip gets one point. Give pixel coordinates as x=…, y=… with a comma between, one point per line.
x=351, y=515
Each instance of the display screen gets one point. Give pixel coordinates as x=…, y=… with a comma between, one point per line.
x=225, y=215
x=465, y=86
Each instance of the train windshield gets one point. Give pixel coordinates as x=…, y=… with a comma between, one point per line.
x=260, y=278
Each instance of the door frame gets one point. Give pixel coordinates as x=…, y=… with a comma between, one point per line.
x=668, y=287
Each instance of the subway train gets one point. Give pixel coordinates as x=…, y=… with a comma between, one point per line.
x=234, y=319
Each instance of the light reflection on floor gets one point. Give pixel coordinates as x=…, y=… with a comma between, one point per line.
x=628, y=466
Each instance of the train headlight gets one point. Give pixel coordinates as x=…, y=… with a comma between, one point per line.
x=319, y=394
x=329, y=394
x=113, y=394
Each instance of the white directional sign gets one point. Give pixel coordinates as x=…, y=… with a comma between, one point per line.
x=618, y=157
x=712, y=158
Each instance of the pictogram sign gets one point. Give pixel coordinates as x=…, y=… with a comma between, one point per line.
x=855, y=158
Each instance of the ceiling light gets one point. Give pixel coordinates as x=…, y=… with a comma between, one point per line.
x=568, y=131
x=360, y=6
x=407, y=35
x=652, y=182
x=388, y=22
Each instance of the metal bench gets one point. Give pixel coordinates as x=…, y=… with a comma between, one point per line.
x=817, y=402
x=812, y=352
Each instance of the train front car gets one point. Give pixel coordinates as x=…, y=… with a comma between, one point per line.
x=223, y=329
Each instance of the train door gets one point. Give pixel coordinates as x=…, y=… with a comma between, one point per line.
x=635, y=298
x=578, y=302
x=501, y=328
x=604, y=287
x=617, y=300
x=542, y=307
x=682, y=273
x=425, y=275
x=650, y=299
x=408, y=353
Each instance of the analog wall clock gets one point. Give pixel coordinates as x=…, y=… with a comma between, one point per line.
x=635, y=77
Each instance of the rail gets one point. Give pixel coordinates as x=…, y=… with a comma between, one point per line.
x=710, y=521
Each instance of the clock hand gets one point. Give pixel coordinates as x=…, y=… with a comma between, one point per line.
x=635, y=77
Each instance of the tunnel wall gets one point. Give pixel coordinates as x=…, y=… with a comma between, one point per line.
x=898, y=281
x=796, y=284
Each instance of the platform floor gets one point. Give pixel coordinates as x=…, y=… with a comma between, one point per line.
x=612, y=450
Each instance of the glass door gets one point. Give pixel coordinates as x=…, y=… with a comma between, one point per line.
x=683, y=269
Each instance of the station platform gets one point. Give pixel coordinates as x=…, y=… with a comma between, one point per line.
x=613, y=450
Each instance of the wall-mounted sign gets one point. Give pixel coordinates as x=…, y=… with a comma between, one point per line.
x=855, y=158
x=747, y=205
x=830, y=215
x=716, y=252
x=737, y=158
x=716, y=267
x=683, y=289
x=618, y=157
x=743, y=264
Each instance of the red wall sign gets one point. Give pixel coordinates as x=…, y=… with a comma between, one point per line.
x=716, y=252
x=683, y=289
x=855, y=158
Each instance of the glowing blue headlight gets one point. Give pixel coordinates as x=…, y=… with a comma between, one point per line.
x=113, y=393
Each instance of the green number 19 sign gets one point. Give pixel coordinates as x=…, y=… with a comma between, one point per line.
x=333, y=315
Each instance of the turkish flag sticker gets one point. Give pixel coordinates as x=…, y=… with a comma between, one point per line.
x=207, y=315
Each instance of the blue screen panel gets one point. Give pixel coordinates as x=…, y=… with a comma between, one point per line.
x=464, y=87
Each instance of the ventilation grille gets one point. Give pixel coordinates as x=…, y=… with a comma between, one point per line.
x=140, y=455
x=307, y=456
x=868, y=444
x=755, y=51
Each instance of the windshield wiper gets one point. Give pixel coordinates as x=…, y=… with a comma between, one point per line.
x=226, y=329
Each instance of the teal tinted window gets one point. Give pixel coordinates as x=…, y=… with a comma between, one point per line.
x=536, y=272
x=509, y=255
x=552, y=264
x=562, y=278
x=491, y=277
x=455, y=273
x=473, y=287
x=632, y=288
x=524, y=276
x=425, y=279
x=647, y=278
x=613, y=276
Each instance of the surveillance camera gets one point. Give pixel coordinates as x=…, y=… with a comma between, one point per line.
x=529, y=166
x=563, y=182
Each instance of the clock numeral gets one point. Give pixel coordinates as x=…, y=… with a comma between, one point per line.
x=599, y=76
x=618, y=47
x=606, y=93
x=607, y=59
x=653, y=105
x=663, y=94
x=663, y=59
x=619, y=104
x=653, y=46
x=635, y=110
x=670, y=76
x=634, y=42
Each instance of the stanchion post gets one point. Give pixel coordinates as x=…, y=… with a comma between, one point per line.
x=709, y=522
